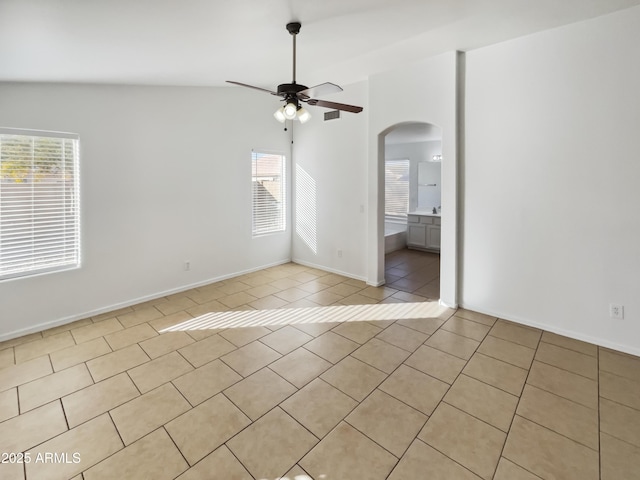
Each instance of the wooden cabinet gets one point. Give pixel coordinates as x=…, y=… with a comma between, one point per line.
x=423, y=232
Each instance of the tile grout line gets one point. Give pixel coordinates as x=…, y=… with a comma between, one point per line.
x=599, y=419
x=276, y=405
x=472, y=415
x=565, y=370
x=636, y=382
x=134, y=384
x=515, y=412
x=568, y=348
x=443, y=401
x=371, y=393
x=563, y=398
x=303, y=426
x=374, y=441
x=251, y=423
x=558, y=433
x=622, y=440
x=124, y=445
x=64, y=412
x=620, y=404
x=306, y=473
x=232, y=453
x=466, y=360
x=163, y=427
x=505, y=361
x=181, y=355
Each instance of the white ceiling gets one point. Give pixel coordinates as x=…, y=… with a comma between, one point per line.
x=205, y=42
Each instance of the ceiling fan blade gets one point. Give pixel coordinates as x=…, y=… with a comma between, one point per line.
x=326, y=88
x=337, y=106
x=251, y=86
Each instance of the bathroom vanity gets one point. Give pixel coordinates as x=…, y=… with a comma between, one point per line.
x=423, y=230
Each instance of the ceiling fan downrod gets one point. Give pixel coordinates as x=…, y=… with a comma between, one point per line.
x=294, y=29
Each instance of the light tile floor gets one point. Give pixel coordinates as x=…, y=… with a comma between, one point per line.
x=341, y=381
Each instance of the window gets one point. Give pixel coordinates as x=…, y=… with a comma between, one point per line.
x=39, y=202
x=396, y=192
x=268, y=193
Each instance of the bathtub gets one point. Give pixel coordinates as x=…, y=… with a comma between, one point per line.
x=395, y=236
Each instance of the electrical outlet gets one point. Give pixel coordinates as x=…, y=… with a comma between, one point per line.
x=187, y=265
x=616, y=311
x=339, y=253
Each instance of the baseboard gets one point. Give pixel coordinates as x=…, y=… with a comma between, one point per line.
x=559, y=331
x=327, y=269
x=128, y=303
x=444, y=304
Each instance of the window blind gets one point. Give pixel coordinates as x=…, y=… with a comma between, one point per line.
x=39, y=202
x=268, y=193
x=396, y=192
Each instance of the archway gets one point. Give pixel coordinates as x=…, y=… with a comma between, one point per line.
x=412, y=208
x=448, y=213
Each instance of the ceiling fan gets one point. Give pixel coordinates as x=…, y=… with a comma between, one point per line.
x=293, y=94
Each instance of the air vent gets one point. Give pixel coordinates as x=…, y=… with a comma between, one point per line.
x=331, y=115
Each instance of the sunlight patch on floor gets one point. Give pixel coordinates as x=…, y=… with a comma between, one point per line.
x=296, y=316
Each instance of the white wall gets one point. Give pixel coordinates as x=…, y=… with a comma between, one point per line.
x=165, y=177
x=552, y=205
x=342, y=159
x=425, y=91
x=332, y=197
x=420, y=197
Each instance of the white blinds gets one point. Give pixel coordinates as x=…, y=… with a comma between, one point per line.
x=396, y=193
x=268, y=193
x=39, y=202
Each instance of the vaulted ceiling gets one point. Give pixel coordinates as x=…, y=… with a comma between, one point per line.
x=205, y=42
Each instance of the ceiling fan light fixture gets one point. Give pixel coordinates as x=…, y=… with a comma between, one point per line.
x=289, y=111
x=303, y=115
x=279, y=115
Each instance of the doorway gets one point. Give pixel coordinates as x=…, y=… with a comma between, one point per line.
x=412, y=208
